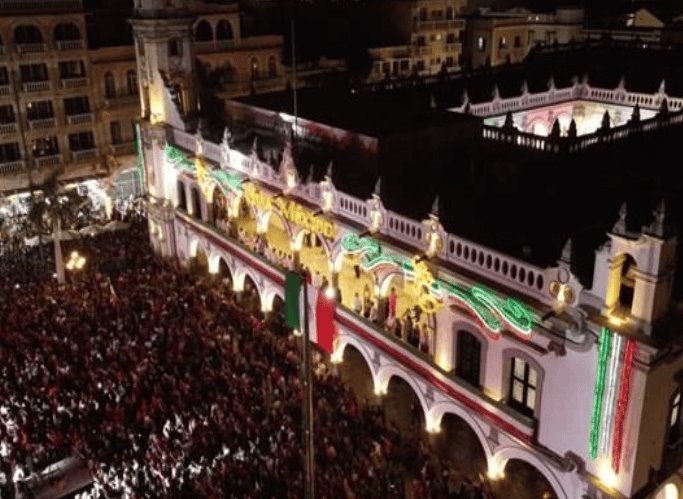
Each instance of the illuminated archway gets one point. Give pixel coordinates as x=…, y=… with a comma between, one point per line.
x=355, y=368
x=251, y=296
x=396, y=386
x=510, y=465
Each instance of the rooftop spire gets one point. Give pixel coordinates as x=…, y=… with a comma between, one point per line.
x=620, y=226
x=435, y=207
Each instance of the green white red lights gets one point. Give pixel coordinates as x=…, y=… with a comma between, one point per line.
x=611, y=406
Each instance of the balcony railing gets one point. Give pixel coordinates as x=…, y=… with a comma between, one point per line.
x=5, y=90
x=83, y=155
x=31, y=48
x=8, y=128
x=69, y=45
x=440, y=24
x=122, y=100
x=41, y=123
x=74, y=82
x=79, y=119
x=12, y=166
x=124, y=148
x=36, y=86
x=51, y=160
x=38, y=5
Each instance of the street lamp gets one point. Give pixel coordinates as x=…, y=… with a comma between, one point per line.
x=75, y=262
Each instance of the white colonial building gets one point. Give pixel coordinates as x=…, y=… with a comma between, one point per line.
x=570, y=379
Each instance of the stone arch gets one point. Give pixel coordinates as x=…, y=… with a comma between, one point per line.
x=248, y=281
x=298, y=237
x=387, y=372
x=194, y=245
x=345, y=340
x=440, y=409
x=387, y=279
x=203, y=32
x=264, y=221
x=224, y=30
x=627, y=265
x=269, y=295
x=27, y=34
x=504, y=454
x=670, y=489
x=66, y=31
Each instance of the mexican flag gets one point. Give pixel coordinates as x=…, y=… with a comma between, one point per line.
x=293, y=283
x=320, y=317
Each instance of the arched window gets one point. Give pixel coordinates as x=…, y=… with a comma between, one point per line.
x=109, y=85
x=523, y=386
x=628, y=284
x=224, y=30
x=182, y=198
x=132, y=82
x=203, y=32
x=66, y=31
x=272, y=67
x=468, y=362
x=254, y=68
x=25, y=34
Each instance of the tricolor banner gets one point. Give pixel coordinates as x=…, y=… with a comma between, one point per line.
x=326, y=332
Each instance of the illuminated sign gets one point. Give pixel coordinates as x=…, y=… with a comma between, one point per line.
x=291, y=211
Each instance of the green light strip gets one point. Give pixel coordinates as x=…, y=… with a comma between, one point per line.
x=488, y=307
x=141, y=158
x=603, y=356
x=226, y=181
x=178, y=158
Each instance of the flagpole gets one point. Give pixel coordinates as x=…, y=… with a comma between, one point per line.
x=307, y=400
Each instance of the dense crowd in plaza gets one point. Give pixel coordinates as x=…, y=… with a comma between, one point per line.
x=168, y=385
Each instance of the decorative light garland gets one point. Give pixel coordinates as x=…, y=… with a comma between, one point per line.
x=610, y=401
x=605, y=347
x=487, y=307
x=622, y=404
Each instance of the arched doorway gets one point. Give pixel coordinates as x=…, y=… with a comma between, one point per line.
x=403, y=407
x=224, y=274
x=196, y=202
x=627, y=284
x=522, y=481
x=458, y=444
x=313, y=255
x=276, y=317
x=200, y=262
x=224, y=30
x=355, y=372
x=182, y=197
x=250, y=297
x=468, y=357
x=203, y=32
x=220, y=210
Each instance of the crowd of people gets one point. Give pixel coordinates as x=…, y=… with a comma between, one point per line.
x=168, y=385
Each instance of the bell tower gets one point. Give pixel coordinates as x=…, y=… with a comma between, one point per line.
x=634, y=271
x=163, y=44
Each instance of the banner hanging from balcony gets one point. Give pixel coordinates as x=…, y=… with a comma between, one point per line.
x=326, y=332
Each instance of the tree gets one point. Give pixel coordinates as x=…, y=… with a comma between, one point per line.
x=55, y=210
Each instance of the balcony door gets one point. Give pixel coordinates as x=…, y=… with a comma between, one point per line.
x=468, y=363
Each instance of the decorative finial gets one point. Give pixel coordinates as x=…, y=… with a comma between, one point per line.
x=620, y=226
x=606, y=124
x=662, y=87
x=495, y=93
x=328, y=174
x=376, y=190
x=525, y=87
x=567, y=251
x=254, y=145
x=509, y=124
x=584, y=79
x=465, y=97
x=227, y=136
x=435, y=207
x=622, y=83
x=551, y=83
x=659, y=226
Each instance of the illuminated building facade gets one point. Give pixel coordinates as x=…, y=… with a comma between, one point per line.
x=580, y=380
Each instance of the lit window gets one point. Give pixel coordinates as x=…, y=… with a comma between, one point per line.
x=523, y=384
x=675, y=420
x=481, y=43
